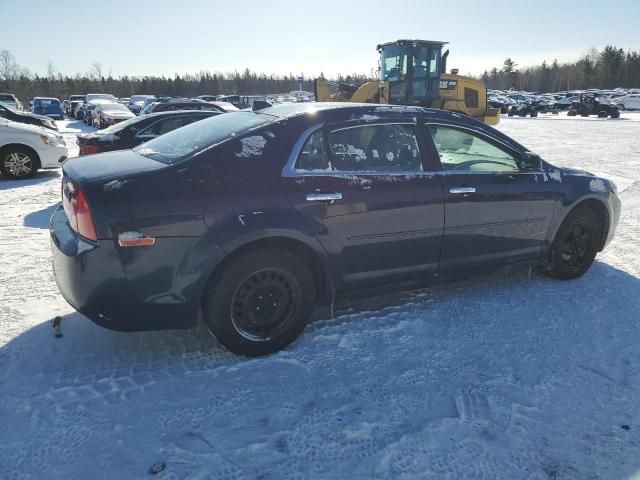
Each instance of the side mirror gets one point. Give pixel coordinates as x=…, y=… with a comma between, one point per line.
x=530, y=162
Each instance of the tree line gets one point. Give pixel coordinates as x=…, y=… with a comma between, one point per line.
x=25, y=85
x=608, y=68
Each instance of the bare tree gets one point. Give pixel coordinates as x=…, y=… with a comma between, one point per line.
x=51, y=70
x=8, y=65
x=96, y=71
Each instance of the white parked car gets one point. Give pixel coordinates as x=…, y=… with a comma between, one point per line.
x=107, y=114
x=628, y=102
x=24, y=149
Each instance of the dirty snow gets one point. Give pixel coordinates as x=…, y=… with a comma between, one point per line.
x=114, y=185
x=509, y=377
x=597, y=185
x=252, y=146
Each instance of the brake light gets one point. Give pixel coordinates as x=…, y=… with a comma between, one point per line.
x=77, y=210
x=89, y=149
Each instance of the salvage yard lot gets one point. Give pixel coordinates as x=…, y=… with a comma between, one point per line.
x=513, y=377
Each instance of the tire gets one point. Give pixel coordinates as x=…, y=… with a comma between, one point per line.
x=534, y=114
x=510, y=113
x=615, y=115
x=602, y=114
x=571, y=113
x=522, y=114
x=621, y=107
x=229, y=299
x=18, y=163
x=576, y=244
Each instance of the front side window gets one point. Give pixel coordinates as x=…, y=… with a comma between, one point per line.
x=368, y=149
x=461, y=151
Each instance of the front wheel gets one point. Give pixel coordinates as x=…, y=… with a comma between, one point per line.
x=576, y=244
x=260, y=303
x=621, y=107
x=18, y=163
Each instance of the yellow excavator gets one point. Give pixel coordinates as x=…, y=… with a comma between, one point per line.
x=413, y=72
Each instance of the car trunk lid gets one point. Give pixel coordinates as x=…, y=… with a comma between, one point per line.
x=109, y=165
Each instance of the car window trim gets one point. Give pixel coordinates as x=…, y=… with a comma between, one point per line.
x=493, y=141
x=289, y=167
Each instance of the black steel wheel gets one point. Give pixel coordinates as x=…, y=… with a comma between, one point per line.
x=576, y=244
x=260, y=302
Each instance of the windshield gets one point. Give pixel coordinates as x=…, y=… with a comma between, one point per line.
x=139, y=98
x=47, y=104
x=4, y=106
x=94, y=96
x=183, y=142
x=393, y=63
x=7, y=98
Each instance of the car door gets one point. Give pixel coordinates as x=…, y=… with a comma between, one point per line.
x=495, y=211
x=364, y=190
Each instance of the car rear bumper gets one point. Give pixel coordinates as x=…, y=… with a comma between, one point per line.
x=91, y=278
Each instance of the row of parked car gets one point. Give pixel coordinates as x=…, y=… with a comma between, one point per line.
x=578, y=102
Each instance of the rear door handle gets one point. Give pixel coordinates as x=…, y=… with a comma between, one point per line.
x=323, y=197
x=462, y=190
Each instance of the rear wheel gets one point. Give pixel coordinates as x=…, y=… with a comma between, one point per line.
x=260, y=303
x=615, y=115
x=575, y=245
x=18, y=162
x=571, y=113
x=602, y=114
x=621, y=107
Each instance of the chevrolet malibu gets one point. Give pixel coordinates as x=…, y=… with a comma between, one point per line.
x=249, y=220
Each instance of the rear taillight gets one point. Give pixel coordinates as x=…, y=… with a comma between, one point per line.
x=77, y=210
x=89, y=149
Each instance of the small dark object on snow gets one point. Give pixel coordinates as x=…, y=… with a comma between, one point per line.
x=156, y=468
x=626, y=427
x=56, y=326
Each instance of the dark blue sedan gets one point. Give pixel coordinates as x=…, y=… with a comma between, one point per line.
x=252, y=219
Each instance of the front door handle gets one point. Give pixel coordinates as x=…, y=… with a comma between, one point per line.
x=323, y=197
x=464, y=189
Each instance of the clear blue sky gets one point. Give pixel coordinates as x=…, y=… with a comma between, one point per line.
x=138, y=37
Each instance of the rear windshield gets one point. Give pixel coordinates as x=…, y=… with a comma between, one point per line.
x=114, y=107
x=4, y=98
x=183, y=142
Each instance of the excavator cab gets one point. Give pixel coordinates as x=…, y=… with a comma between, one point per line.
x=412, y=69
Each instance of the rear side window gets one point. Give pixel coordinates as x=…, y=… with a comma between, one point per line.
x=371, y=149
x=181, y=144
x=375, y=148
x=313, y=157
x=470, y=98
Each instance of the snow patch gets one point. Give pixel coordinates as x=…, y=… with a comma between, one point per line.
x=597, y=185
x=555, y=175
x=114, y=185
x=252, y=146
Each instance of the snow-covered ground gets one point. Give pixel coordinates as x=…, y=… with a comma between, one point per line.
x=509, y=377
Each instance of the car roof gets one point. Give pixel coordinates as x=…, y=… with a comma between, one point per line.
x=370, y=112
